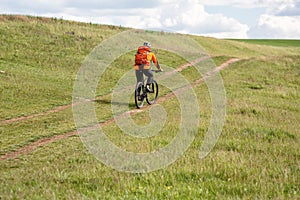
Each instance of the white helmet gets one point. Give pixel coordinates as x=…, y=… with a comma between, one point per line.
x=147, y=44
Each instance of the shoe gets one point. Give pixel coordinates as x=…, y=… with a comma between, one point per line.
x=148, y=88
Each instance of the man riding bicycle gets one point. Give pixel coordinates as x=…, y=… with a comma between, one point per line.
x=143, y=59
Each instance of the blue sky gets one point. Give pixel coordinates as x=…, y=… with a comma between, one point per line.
x=271, y=19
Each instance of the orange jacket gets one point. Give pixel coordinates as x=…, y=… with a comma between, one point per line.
x=150, y=57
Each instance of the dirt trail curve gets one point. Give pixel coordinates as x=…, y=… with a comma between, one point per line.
x=31, y=147
x=64, y=107
x=54, y=110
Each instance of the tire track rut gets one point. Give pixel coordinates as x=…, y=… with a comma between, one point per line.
x=42, y=142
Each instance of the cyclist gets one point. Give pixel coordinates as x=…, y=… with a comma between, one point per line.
x=143, y=59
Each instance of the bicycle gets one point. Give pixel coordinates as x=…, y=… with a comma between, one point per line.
x=141, y=93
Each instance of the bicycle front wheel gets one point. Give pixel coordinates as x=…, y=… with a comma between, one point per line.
x=153, y=94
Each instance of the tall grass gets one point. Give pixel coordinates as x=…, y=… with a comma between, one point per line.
x=272, y=42
x=256, y=157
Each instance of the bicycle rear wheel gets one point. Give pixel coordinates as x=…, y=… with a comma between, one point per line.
x=153, y=94
x=139, y=95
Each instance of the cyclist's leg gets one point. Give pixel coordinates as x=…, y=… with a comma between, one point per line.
x=139, y=75
x=139, y=78
x=149, y=74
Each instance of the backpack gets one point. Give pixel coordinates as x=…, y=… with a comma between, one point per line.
x=141, y=55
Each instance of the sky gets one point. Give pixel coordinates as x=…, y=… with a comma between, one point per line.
x=252, y=19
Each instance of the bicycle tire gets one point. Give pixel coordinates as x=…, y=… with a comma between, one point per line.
x=139, y=103
x=153, y=95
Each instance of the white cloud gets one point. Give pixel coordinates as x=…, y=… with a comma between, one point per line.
x=247, y=4
x=186, y=16
x=182, y=16
x=292, y=9
x=280, y=21
x=270, y=26
x=38, y=6
x=111, y=4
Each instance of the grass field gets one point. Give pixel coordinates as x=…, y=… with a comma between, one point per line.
x=270, y=42
x=256, y=157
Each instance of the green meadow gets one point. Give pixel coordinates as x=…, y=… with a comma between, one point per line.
x=257, y=156
x=272, y=42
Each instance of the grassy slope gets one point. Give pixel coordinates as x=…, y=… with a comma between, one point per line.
x=257, y=155
x=280, y=43
x=43, y=51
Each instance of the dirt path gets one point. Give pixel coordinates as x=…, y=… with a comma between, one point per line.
x=64, y=107
x=31, y=147
x=57, y=109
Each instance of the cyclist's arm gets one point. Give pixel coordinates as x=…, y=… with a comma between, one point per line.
x=155, y=62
